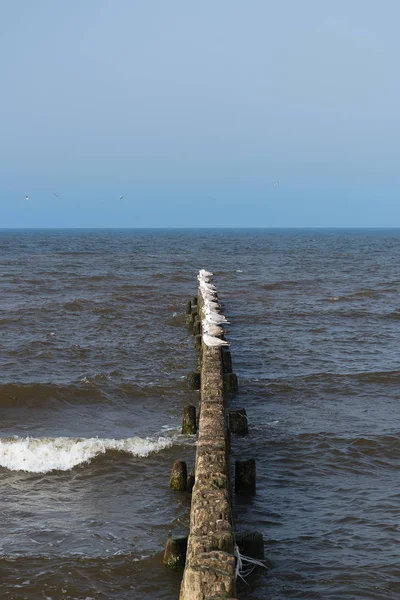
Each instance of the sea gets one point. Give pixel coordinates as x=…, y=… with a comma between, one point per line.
x=94, y=354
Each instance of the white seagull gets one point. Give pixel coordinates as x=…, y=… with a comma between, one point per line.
x=121, y=197
x=208, y=294
x=212, y=306
x=211, y=328
x=213, y=342
x=26, y=197
x=212, y=310
x=211, y=302
x=207, y=287
x=203, y=274
x=216, y=319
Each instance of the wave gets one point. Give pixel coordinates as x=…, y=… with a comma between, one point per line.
x=105, y=277
x=41, y=576
x=362, y=376
x=395, y=315
x=329, y=452
x=353, y=296
x=79, y=304
x=37, y=394
x=91, y=389
x=42, y=455
x=282, y=285
x=10, y=320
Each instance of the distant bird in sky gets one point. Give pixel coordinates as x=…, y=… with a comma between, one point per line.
x=276, y=183
x=56, y=195
x=121, y=197
x=26, y=197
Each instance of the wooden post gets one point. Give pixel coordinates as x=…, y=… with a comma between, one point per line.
x=189, y=426
x=178, y=477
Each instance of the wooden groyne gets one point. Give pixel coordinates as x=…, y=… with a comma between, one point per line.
x=211, y=555
x=210, y=560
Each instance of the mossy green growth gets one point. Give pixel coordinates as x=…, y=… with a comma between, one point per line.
x=175, y=553
x=193, y=380
x=178, y=477
x=189, y=425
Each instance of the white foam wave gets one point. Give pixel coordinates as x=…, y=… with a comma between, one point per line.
x=41, y=455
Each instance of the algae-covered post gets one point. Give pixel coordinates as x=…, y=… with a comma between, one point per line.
x=175, y=552
x=189, y=424
x=178, y=477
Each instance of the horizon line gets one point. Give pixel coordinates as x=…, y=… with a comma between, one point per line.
x=226, y=227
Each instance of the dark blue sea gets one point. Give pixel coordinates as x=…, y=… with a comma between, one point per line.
x=94, y=353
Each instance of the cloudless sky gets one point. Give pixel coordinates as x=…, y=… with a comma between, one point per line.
x=192, y=110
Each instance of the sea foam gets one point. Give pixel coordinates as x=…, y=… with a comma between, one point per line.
x=41, y=455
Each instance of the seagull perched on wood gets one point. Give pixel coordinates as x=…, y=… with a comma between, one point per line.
x=211, y=328
x=213, y=342
x=216, y=319
x=203, y=274
x=210, y=311
x=207, y=287
x=208, y=294
x=211, y=308
x=207, y=297
x=213, y=305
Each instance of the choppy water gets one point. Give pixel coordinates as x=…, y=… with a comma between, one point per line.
x=94, y=352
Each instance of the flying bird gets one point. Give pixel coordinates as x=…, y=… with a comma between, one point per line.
x=121, y=197
x=56, y=195
x=26, y=197
x=276, y=183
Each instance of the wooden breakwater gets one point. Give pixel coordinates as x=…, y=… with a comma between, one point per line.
x=210, y=560
x=213, y=553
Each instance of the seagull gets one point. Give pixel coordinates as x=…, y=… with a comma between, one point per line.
x=203, y=274
x=215, y=318
x=211, y=329
x=56, y=195
x=212, y=310
x=213, y=342
x=204, y=283
x=276, y=183
x=121, y=197
x=208, y=297
x=26, y=197
x=212, y=304
x=206, y=291
x=209, y=287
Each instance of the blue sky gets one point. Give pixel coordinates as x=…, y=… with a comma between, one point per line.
x=192, y=111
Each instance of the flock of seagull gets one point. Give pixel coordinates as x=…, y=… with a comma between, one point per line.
x=212, y=318
x=276, y=184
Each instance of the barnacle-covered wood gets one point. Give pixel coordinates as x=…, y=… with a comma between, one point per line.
x=210, y=563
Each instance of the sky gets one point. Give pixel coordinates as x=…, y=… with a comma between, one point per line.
x=193, y=110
